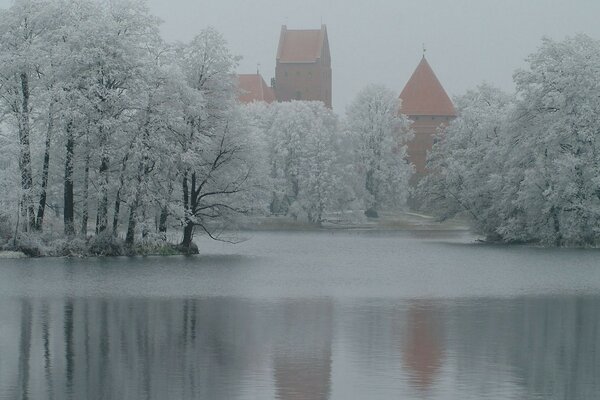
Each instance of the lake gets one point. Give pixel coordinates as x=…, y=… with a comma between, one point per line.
x=306, y=315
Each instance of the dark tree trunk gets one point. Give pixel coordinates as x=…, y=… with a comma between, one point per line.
x=556, y=225
x=115, y=224
x=69, y=202
x=102, y=215
x=45, y=168
x=116, y=215
x=188, y=235
x=27, y=209
x=164, y=212
x=162, y=221
x=188, y=200
x=130, y=238
x=84, y=206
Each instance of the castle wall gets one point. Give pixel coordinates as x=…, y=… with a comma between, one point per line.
x=303, y=81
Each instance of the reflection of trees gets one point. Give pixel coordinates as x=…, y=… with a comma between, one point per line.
x=212, y=348
x=69, y=350
x=302, y=350
x=24, y=350
x=138, y=349
x=549, y=345
x=47, y=356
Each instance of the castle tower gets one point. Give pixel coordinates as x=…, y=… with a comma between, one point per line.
x=303, y=69
x=428, y=106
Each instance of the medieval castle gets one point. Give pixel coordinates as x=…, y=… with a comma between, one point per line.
x=303, y=72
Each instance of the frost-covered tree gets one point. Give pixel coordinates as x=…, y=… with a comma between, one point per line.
x=214, y=167
x=526, y=169
x=378, y=134
x=24, y=32
x=556, y=145
x=319, y=175
x=298, y=158
x=467, y=163
x=112, y=124
x=303, y=159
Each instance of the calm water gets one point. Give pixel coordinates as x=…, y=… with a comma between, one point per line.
x=345, y=315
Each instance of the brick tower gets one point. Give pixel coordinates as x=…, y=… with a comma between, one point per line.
x=303, y=69
x=252, y=87
x=428, y=106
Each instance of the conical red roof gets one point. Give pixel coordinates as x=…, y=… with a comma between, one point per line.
x=424, y=94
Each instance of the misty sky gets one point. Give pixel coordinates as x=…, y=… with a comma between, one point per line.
x=380, y=41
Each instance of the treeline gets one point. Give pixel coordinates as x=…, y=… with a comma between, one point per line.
x=312, y=165
x=526, y=167
x=112, y=128
x=114, y=138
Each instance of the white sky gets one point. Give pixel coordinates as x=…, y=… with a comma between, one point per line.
x=380, y=41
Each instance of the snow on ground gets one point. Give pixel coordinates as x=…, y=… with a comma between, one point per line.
x=12, y=254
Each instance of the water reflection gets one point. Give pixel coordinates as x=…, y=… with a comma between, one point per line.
x=302, y=350
x=232, y=348
x=423, y=344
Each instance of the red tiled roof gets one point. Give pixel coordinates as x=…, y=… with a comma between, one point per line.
x=300, y=46
x=424, y=94
x=254, y=88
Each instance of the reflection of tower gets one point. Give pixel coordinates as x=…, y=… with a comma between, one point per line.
x=302, y=359
x=423, y=350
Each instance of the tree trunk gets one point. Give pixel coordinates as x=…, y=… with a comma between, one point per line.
x=188, y=235
x=69, y=202
x=115, y=224
x=164, y=212
x=188, y=227
x=45, y=168
x=102, y=215
x=162, y=221
x=118, y=196
x=130, y=238
x=27, y=209
x=556, y=226
x=84, y=206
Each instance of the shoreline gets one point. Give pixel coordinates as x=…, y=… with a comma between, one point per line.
x=116, y=247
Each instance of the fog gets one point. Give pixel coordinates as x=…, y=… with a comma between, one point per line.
x=381, y=41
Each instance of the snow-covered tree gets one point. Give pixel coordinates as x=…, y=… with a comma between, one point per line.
x=24, y=31
x=555, y=162
x=106, y=119
x=214, y=166
x=526, y=168
x=467, y=162
x=298, y=158
x=378, y=134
